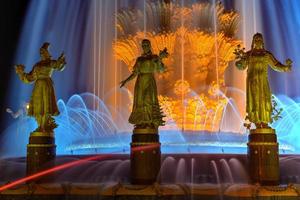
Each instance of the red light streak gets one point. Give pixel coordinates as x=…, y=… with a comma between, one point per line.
x=67, y=165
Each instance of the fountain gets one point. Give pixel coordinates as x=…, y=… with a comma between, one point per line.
x=204, y=141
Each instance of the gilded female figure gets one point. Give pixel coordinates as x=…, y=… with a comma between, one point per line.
x=259, y=105
x=42, y=105
x=146, y=112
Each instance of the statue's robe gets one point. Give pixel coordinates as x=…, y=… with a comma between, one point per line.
x=43, y=100
x=146, y=109
x=258, y=93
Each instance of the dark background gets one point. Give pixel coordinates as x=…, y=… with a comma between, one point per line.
x=12, y=14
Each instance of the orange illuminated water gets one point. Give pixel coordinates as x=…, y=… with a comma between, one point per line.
x=198, y=57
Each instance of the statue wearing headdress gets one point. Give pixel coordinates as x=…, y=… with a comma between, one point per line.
x=146, y=112
x=259, y=106
x=42, y=105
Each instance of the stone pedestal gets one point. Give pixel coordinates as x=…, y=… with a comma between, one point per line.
x=41, y=152
x=263, y=156
x=145, y=163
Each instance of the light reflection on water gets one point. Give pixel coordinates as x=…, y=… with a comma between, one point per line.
x=86, y=128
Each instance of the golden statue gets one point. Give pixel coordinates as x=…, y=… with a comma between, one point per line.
x=259, y=106
x=146, y=112
x=42, y=104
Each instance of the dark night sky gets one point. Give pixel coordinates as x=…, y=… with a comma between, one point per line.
x=11, y=18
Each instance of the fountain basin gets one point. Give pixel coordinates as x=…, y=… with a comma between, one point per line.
x=109, y=191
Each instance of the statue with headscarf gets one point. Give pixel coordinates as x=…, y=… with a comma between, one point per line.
x=146, y=111
x=259, y=106
x=42, y=105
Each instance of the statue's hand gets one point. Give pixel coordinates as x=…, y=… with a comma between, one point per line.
x=164, y=53
x=288, y=63
x=19, y=69
x=239, y=52
x=62, y=59
x=122, y=83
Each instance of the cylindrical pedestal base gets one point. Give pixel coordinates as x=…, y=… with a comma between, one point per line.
x=41, y=152
x=145, y=162
x=263, y=156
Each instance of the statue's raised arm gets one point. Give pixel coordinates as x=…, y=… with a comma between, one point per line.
x=278, y=66
x=60, y=63
x=241, y=57
x=25, y=77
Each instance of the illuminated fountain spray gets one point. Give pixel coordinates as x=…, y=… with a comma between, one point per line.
x=202, y=111
x=200, y=41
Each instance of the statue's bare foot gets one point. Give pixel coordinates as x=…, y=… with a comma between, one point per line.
x=51, y=124
x=38, y=129
x=265, y=125
x=262, y=125
x=258, y=125
x=141, y=126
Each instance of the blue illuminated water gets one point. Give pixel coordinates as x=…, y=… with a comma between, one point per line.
x=85, y=126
